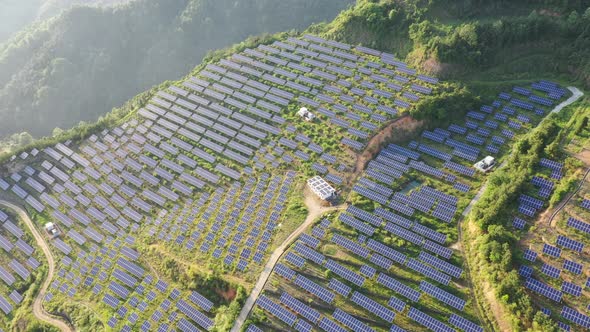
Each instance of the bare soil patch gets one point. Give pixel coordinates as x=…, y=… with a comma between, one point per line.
x=228, y=294
x=584, y=156
x=496, y=308
x=398, y=130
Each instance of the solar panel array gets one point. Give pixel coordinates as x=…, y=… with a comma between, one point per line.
x=560, y=274
x=181, y=173
x=394, y=215
x=20, y=260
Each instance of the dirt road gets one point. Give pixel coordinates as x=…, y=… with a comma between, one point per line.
x=38, y=310
x=314, y=212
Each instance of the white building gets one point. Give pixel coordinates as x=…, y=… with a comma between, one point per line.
x=52, y=230
x=306, y=114
x=486, y=164
x=321, y=188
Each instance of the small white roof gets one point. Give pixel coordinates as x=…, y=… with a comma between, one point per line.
x=320, y=187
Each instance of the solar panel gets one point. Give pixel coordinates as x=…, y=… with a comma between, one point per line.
x=578, y=224
x=443, y=296
x=543, y=289
x=194, y=314
x=428, y=271
x=575, y=317
x=572, y=266
x=571, y=288
x=530, y=255
x=329, y=326
x=550, y=271
x=201, y=301
x=428, y=321
x=300, y=307
x=398, y=287
x=568, y=243
x=351, y=322
x=551, y=250
x=310, y=286
x=284, y=271
x=464, y=324
x=345, y=273
x=440, y=264
x=276, y=310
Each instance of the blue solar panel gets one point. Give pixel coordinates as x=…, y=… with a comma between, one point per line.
x=550, y=271
x=310, y=286
x=345, y=273
x=571, y=288
x=464, y=324
x=518, y=223
x=194, y=314
x=339, y=287
x=443, y=296
x=329, y=326
x=572, y=266
x=428, y=321
x=568, y=243
x=350, y=245
x=398, y=287
x=441, y=264
x=373, y=306
x=575, y=317
x=276, y=310
x=351, y=322
x=530, y=255
x=543, y=289
x=578, y=224
x=551, y=250
x=300, y=307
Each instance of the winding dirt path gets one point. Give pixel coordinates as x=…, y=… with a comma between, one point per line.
x=38, y=310
x=487, y=289
x=568, y=198
x=314, y=211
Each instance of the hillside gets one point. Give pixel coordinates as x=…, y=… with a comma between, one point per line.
x=191, y=207
x=62, y=71
x=16, y=14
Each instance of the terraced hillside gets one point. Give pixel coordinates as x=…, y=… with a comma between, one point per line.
x=187, y=208
x=167, y=221
x=166, y=217
x=554, y=235
x=22, y=264
x=393, y=256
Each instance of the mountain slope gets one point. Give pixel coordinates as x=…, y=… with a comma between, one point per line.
x=79, y=65
x=16, y=14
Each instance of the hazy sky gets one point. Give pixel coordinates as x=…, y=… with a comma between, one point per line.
x=15, y=14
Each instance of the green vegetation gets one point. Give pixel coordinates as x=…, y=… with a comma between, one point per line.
x=480, y=46
x=61, y=71
x=22, y=318
x=447, y=105
x=490, y=240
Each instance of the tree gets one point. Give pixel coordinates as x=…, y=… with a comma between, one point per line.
x=24, y=138
x=581, y=126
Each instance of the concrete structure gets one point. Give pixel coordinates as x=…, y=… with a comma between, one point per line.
x=486, y=164
x=306, y=114
x=321, y=188
x=52, y=230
